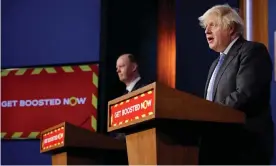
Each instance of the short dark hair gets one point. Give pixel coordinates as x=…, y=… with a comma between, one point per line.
x=132, y=58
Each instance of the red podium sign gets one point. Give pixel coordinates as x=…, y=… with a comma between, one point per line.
x=53, y=138
x=135, y=108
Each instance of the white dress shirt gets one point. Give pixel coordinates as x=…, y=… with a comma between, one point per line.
x=132, y=84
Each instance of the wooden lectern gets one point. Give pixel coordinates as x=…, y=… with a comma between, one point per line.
x=72, y=145
x=164, y=125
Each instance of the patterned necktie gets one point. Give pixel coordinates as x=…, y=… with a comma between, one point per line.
x=210, y=89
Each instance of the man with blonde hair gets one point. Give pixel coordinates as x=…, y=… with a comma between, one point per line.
x=239, y=78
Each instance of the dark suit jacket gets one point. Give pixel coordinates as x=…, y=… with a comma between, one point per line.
x=243, y=82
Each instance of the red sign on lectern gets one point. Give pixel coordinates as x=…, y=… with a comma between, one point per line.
x=131, y=109
x=53, y=138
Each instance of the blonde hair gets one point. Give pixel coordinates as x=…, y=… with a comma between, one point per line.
x=226, y=17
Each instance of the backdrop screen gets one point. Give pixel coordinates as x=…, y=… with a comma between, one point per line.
x=47, y=32
x=34, y=99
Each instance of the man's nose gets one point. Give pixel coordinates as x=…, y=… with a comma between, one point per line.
x=207, y=30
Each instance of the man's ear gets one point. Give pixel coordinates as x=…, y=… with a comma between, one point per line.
x=134, y=67
x=232, y=30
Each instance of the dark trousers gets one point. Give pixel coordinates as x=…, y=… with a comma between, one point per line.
x=236, y=149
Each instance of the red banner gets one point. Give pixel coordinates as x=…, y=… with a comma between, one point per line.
x=35, y=99
x=135, y=108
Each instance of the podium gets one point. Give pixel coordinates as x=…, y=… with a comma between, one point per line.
x=72, y=145
x=163, y=125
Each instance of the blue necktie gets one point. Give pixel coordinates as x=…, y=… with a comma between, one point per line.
x=210, y=89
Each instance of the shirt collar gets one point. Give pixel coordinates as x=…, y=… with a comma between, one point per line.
x=225, y=52
x=132, y=84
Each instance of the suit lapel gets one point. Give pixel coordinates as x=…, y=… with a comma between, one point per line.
x=136, y=86
x=228, y=58
x=212, y=68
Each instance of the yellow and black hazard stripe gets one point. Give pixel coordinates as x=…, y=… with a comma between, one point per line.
x=49, y=70
x=94, y=123
x=20, y=135
x=36, y=134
